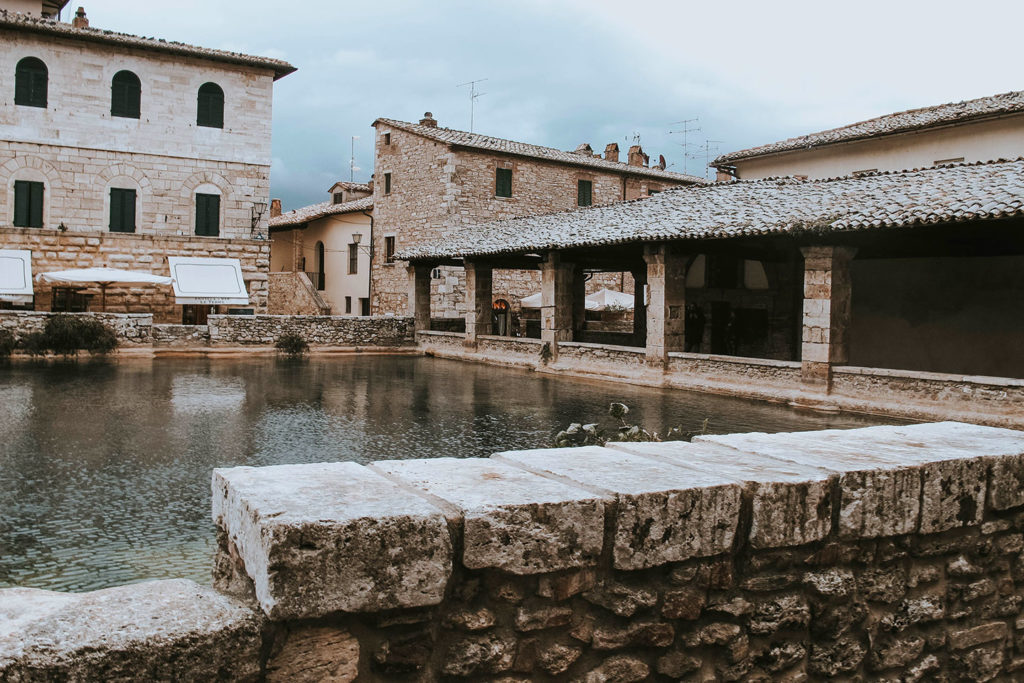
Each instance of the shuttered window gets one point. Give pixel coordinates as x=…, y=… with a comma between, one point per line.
x=503, y=182
x=28, y=204
x=30, y=83
x=125, y=95
x=122, y=210
x=584, y=193
x=208, y=215
x=353, y=259
x=387, y=183
x=389, y=249
x=211, y=106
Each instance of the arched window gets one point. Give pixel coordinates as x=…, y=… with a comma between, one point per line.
x=211, y=106
x=30, y=79
x=125, y=95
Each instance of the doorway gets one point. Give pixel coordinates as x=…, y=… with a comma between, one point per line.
x=320, y=264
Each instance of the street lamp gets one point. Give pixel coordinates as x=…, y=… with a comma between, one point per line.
x=257, y=211
x=357, y=237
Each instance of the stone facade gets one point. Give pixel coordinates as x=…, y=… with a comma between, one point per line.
x=79, y=152
x=886, y=553
x=131, y=329
x=436, y=188
x=317, y=330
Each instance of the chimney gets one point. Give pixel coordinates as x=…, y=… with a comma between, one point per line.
x=80, y=20
x=584, y=149
x=637, y=156
x=428, y=120
x=611, y=152
x=275, y=208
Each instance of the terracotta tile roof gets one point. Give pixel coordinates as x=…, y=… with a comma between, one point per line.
x=461, y=138
x=21, y=22
x=311, y=213
x=900, y=122
x=955, y=193
x=351, y=187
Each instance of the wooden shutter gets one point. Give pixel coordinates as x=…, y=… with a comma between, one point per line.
x=503, y=182
x=210, y=111
x=122, y=210
x=21, y=201
x=584, y=193
x=28, y=204
x=30, y=81
x=35, y=205
x=125, y=95
x=208, y=215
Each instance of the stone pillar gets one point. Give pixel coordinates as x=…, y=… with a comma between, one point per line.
x=556, y=302
x=579, y=302
x=826, y=315
x=419, y=295
x=478, y=302
x=639, y=307
x=666, y=287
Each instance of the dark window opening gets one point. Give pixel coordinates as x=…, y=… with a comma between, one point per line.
x=69, y=300
x=387, y=138
x=28, y=204
x=339, y=197
x=30, y=83
x=122, y=210
x=389, y=249
x=125, y=95
x=584, y=193
x=319, y=278
x=364, y=306
x=353, y=259
x=207, y=215
x=211, y=106
x=503, y=182
x=195, y=314
x=387, y=183
x=348, y=304
x=724, y=272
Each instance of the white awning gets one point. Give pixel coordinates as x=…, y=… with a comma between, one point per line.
x=103, y=277
x=207, y=280
x=16, y=275
x=598, y=301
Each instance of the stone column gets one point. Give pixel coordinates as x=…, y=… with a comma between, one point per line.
x=478, y=302
x=579, y=302
x=556, y=302
x=826, y=315
x=666, y=287
x=419, y=295
x=639, y=306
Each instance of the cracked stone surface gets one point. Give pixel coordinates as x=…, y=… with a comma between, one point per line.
x=331, y=537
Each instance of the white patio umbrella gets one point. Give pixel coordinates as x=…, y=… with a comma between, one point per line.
x=604, y=298
x=104, y=277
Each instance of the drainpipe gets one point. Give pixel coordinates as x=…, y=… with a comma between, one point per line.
x=369, y=283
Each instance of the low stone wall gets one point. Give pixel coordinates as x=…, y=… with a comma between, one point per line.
x=513, y=350
x=440, y=343
x=587, y=355
x=184, y=336
x=318, y=330
x=743, y=371
x=130, y=328
x=887, y=553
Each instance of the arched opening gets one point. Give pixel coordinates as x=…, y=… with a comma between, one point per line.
x=210, y=111
x=320, y=280
x=501, y=318
x=30, y=82
x=125, y=95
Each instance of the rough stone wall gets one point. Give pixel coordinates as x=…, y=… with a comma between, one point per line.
x=57, y=250
x=290, y=293
x=317, y=330
x=886, y=553
x=436, y=190
x=184, y=336
x=129, y=328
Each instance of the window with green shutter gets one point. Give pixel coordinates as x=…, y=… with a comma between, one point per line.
x=122, y=210
x=211, y=106
x=584, y=193
x=503, y=182
x=207, y=215
x=28, y=204
x=125, y=95
x=30, y=83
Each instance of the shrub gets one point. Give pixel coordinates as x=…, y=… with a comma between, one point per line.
x=66, y=335
x=292, y=344
x=95, y=337
x=7, y=343
x=593, y=434
x=34, y=344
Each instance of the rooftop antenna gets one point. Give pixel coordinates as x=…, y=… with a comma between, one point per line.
x=352, y=168
x=473, y=94
x=709, y=147
x=685, y=133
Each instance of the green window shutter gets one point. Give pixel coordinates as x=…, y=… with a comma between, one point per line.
x=128, y=207
x=208, y=215
x=122, y=210
x=584, y=193
x=210, y=108
x=35, y=210
x=503, y=182
x=116, y=212
x=30, y=82
x=21, y=202
x=28, y=204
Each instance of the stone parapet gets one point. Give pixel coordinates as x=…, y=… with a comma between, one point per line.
x=317, y=330
x=130, y=328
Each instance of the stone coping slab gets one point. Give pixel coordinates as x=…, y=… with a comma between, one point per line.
x=331, y=537
x=512, y=519
x=157, y=630
x=791, y=503
x=663, y=513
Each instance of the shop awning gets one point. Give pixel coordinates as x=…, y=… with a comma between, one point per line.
x=16, y=275
x=207, y=280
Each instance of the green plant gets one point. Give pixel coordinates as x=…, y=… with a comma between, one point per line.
x=545, y=353
x=594, y=434
x=292, y=344
x=66, y=335
x=7, y=343
x=34, y=344
x=95, y=337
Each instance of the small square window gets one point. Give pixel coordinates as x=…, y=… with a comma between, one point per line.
x=387, y=138
x=387, y=183
x=584, y=193
x=389, y=249
x=503, y=182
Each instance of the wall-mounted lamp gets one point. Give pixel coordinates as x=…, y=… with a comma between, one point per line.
x=257, y=211
x=357, y=237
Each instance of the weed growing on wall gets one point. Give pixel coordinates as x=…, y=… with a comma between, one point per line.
x=7, y=343
x=596, y=434
x=66, y=335
x=292, y=344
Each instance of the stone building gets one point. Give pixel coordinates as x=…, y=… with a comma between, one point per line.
x=320, y=254
x=430, y=181
x=121, y=151
x=984, y=129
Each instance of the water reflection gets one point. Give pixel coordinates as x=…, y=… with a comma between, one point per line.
x=106, y=467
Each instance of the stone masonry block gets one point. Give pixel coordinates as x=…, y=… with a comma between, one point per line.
x=663, y=513
x=157, y=630
x=330, y=537
x=513, y=520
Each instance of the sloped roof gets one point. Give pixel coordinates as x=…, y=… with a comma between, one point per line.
x=21, y=22
x=461, y=138
x=899, y=122
x=315, y=211
x=944, y=194
x=350, y=186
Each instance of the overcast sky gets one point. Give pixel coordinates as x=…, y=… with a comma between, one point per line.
x=562, y=72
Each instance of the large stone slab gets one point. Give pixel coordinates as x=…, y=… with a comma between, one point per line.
x=157, y=631
x=663, y=513
x=512, y=519
x=331, y=537
x=791, y=503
